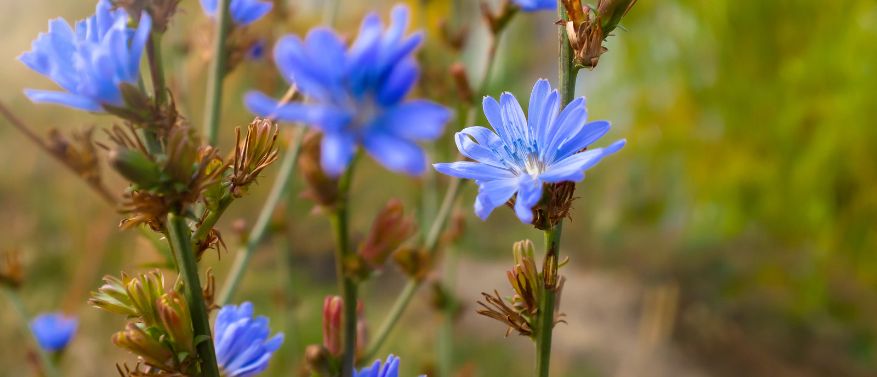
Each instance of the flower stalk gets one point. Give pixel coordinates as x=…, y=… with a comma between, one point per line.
x=181, y=244
x=346, y=284
x=545, y=322
x=212, y=108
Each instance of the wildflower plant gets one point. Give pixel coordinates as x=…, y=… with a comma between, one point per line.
x=362, y=92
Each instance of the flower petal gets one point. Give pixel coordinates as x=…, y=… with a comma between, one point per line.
x=473, y=170
x=65, y=99
x=336, y=150
x=529, y=193
x=573, y=168
x=587, y=135
x=492, y=194
x=395, y=153
x=416, y=120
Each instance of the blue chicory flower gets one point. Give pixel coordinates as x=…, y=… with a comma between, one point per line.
x=521, y=155
x=90, y=61
x=358, y=94
x=378, y=369
x=53, y=331
x=243, y=12
x=536, y=5
x=243, y=348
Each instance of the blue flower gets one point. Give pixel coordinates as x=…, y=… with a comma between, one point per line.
x=520, y=156
x=243, y=348
x=243, y=12
x=358, y=94
x=536, y=5
x=90, y=61
x=53, y=330
x=388, y=369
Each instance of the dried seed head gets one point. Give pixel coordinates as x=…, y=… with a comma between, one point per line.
x=493, y=306
x=253, y=154
x=390, y=229
x=587, y=27
x=555, y=205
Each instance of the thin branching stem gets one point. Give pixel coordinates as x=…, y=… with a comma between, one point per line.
x=179, y=238
x=346, y=284
x=213, y=105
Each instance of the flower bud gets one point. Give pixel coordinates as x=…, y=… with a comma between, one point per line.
x=321, y=188
x=135, y=167
x=414, y=262
x=333, y=312
x=138, y=340
x=173, y=310
x=390, y=229
x=524, y=278
x=144, y=292
x=113, y=297
x=612, y=11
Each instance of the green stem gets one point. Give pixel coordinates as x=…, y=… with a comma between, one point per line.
x=566, y=68
x=545, y=324
x=212, y=108
x=212, y=217
x=46, y=364
x=181, y=243
x=346, y=284
x=260, y=228
x=156, y=70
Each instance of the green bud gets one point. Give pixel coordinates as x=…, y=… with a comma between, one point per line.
x=113, y=297
x=173, y=310
x=136, y=167
x=139, y=341
x=611, y=13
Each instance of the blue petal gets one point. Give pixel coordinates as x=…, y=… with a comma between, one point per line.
x=247, y=12
x=294, y=62
x=587, y=135
x=416, y=120
x=336, y=150
x=570, y=120
x=544, y=106
x=61, y=98
x=473, y=170
x=529, y=194
x=573, y=168
x=492, y=194
x=401, y=79
x=469, y=148
x=137, y=44
x=209, y=6
x=395, y=153
x=514, y=120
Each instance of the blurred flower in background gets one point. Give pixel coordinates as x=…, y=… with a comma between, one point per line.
x=358, y=94
x=536, y=5
x=521, y=155
x=242, y=345
x=378, y=369
x=53, y=330
x=243, y=12
x=88, y=62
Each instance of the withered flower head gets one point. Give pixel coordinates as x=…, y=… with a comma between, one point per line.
x=555, y=205
x=520, y=311
x=321, y=188
x=11, y=271
x=253, y=154
x=389, y=230
x=588, y=27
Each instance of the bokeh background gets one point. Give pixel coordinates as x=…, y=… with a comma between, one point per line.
x=734, y=235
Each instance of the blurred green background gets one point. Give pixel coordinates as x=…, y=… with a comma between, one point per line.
x=734, y=235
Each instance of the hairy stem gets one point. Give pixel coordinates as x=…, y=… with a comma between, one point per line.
x=545, y=324
x=346, y=284
x=212, y=107
x=260, y=228
x=46, y=364
x=181, y=243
